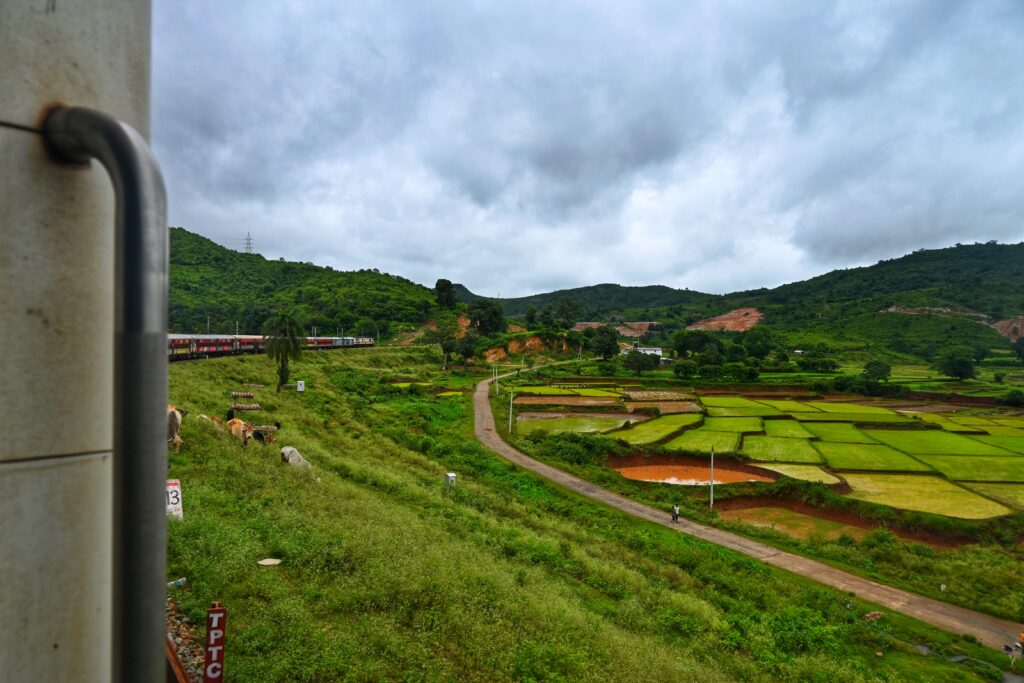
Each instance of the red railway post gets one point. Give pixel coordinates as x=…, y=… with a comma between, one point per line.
x=216, y=626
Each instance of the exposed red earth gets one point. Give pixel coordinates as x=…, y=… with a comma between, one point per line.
x=739, y=320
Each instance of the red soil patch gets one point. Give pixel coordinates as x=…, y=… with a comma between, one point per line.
x=664, y=407
x=567, y=400
x=634, y=329
x=739, y=320
x=934, y=540
x=1012, y=329
x=688, y=471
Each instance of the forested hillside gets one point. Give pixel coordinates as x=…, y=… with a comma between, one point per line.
x=229, y=287
x=980, y=282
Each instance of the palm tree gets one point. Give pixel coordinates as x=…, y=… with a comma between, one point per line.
x=284, y=338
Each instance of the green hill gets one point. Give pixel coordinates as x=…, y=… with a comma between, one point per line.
x=228, y=286
x=386, y=574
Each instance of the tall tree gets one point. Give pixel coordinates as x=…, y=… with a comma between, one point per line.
x=531, y=317
x=1018, y=348
x=487, y=316
x=444, y=291
x=877, y=370
x=284, y=337
x=604, y=342
x=444, y=335
x=567, y=312
x=957, y=362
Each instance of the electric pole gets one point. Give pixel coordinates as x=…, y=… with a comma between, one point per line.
x=248, y=243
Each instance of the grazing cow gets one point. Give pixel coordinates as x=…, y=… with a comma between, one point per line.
x=240, y=429
x=294, y=458
x=174, y=416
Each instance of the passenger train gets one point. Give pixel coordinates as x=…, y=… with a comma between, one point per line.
x=187, y=346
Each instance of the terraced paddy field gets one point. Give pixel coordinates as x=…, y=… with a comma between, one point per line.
x=846, y=408
x=977, y=468
x=1014, y=444
x=949, y=426
x=521, y=400
x=933, y=442
x=657, y=429
x=658, y=395
x=923, y=493
x=863, y=418
x=1007, y=494
x=788, y=406
x=1000, y=430
x=576, y=423
x=862, y=456
x=789, y=429
x=744, y=411
x=839, y=432
x=803, y=472
x=665, y=407
x=685, y=471
x=794, y=523
x=729, y=402
x=702, y=440
x=775, y=449
x=734, y=424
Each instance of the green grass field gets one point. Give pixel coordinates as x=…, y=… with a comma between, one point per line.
x=656, y=429
x=790, y=429
x=596, y=392
x=728, y=402
x=849, y=408
x=776, y=449
x=862, y=456
x=977, y=468
x=1002, y=430
x=804, y=472
x=1010, y=422
x=839, y=432
x=952, y=426
x=702, y=441
x=569, y=424
x=733, y=424
x=923, y=493
x=756, y=411
x=933, y=442
x=1011, y=495
x=788, y=405
x=969, y=420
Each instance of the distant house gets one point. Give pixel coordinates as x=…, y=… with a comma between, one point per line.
x=650, y=350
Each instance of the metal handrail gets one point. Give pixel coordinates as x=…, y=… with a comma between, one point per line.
x=78, y=134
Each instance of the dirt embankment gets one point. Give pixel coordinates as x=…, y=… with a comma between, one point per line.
x=1012, y=329
x=530, y=345
x=739, y=320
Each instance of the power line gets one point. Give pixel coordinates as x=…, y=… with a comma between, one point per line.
x=248, y=243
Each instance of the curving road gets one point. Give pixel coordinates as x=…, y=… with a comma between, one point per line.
x=990, y=630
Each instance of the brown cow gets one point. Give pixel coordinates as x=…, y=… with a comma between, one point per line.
x=240, y=430
x=174, y=416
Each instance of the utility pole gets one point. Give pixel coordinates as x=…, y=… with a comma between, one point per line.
x=510, y=395
x=236, y=328
x=207, y=324
x=712, y=505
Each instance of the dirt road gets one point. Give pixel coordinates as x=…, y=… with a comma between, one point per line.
x=987, y=629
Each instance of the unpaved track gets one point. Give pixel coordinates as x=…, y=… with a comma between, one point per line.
x=987, y=629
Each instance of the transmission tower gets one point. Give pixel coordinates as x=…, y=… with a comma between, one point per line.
x=248, y=243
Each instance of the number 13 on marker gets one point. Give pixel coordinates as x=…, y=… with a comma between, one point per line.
x=174, y=508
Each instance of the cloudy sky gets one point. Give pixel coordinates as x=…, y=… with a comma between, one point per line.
x=520, y=147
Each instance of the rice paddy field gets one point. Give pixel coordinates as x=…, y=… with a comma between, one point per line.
x=657, y=429
x=863, y=456
x=771, y=448
x=840, y=432
x=702, y=440
x=803, y=472
x=977, y=468
x=790, y=429
x=903, y=467
x=734, y=424
x=1011, y=495
x=923, y=493
x=570, y=424
x=934, y=442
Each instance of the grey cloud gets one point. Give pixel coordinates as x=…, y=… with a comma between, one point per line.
x=529, y=146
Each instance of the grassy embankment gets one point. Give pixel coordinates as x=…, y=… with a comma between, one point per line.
x=388, y=575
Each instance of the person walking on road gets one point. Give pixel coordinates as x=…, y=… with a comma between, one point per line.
x=675, y=513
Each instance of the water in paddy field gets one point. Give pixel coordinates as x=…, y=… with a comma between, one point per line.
x=688, y=472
